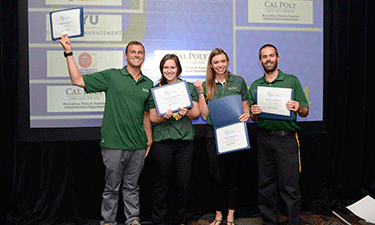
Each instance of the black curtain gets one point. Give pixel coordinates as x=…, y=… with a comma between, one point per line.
x=8, y=103
x=62, y=182
x=348, y=109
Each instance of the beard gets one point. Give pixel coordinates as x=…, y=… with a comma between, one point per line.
x=271, y=67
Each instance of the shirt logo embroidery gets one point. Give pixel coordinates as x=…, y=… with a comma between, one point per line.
x=145, y=90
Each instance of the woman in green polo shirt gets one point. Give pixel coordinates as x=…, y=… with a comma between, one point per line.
x=223, y=168
x=173, y=147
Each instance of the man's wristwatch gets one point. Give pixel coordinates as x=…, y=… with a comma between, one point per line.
x=68, y=54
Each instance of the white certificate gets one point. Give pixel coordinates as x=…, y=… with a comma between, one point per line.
x=231, y=138
x=364, y=209
x=273, y=100
x=171, y=96
x=69, y=21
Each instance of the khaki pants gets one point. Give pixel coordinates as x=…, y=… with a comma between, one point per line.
x=125, y=166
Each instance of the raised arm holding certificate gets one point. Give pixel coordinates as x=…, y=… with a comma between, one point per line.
x=69, y=21
x=171, y=96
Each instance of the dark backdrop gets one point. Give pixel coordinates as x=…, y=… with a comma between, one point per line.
x=62, y=182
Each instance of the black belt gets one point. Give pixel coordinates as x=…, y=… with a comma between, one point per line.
x=277, y=132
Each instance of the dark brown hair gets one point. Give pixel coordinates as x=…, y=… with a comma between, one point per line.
x=162, y=62
x=267, y=45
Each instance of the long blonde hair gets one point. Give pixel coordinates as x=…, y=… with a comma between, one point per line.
x=211, y=75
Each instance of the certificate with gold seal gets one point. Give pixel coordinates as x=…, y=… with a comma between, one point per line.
x=68, y=21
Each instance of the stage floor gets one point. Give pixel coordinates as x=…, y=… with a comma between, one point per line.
x=305, y=219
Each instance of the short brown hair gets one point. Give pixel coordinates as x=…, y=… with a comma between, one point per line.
x=267, y=45
x=134, y=43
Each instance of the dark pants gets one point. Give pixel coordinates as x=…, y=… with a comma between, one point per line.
x=167, y=155
x=224, y=174
x=278, y=165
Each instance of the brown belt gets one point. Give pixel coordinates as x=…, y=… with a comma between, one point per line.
x=277, y=132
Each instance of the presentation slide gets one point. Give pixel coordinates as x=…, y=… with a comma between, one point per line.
x=190, y=29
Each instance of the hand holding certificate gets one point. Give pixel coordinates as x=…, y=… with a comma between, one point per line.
x=69, y=21
x=171, y=96
x=230, y=134
x=231, y=138
x=273, y=102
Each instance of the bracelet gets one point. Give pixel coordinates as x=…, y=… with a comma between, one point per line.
x=200, y=92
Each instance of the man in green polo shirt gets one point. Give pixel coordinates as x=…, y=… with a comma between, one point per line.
x=126, y=133
x=277, y=143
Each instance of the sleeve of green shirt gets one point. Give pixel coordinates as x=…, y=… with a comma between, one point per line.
x=97, y=82
x=252, y=100
x=299, y=95
x=244, y=91
x=193, y=92
x=151, y=102
x=148, y=105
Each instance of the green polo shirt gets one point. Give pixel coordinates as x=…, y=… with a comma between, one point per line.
x=282, y=81
x=173, y=129
x=236, y=86
x=126, y=101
